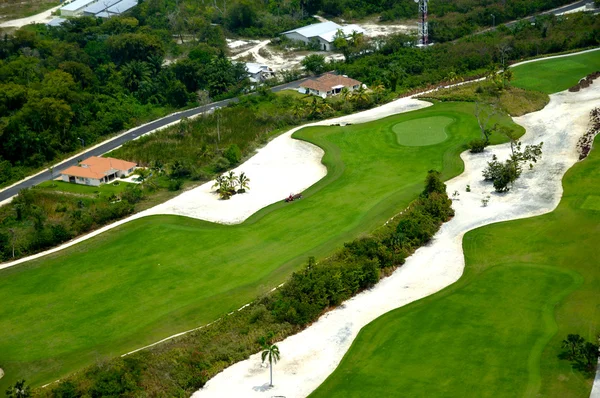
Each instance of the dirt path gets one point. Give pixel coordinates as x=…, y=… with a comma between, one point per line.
x=42, y=17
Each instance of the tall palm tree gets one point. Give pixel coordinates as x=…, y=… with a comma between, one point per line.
x=243, y=182
x=219, y=182
x=19, y=390
x=271, y=351
x=361, y=96
x=232, y=179
x=135, y=74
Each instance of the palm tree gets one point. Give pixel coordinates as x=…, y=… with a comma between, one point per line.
x=361, y=96
x=135, y=74
x=271, y=351
x=142, y=175
x=574, y=343
x=232, y=179
x=243, y=181
x=345, y=93
x=219, y=181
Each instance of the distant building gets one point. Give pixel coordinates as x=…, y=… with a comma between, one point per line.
x=259, y=72
x=96, y=170
x=120, y=8
x=98, y=7
x=328, y=85
x=75, y=8
x=324, y=33
x=56, y=22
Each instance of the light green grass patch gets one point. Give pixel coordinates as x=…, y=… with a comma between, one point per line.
x=422, y=132
x=558, y=74
x=592, y=202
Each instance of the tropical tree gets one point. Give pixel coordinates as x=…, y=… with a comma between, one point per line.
x=361, y=96
x=244, y=183
x=271, y=352
x=314, y=63
x=589, y=352
x=19, y=390
x=573, y=343
x=345, y=94
x=232, y=179
x=135, y=74
x=393, y=74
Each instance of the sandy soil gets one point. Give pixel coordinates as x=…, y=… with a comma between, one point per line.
x=310, y=356
x=42, y=17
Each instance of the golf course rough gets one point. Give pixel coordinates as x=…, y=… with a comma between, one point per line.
x=423, y=131
x=157, y=276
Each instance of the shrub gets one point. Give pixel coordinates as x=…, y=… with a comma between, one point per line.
x=477, y=145
x=175, y=184
x=233, y=154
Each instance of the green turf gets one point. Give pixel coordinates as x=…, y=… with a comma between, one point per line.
x=592, y=202
x=161, y=275
x=557, y=74
x=497, y=331
x=104, y=189
x=422, y=132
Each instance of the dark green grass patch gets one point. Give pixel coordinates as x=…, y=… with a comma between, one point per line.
x=115, y=187
x=554, y=75
x=592, y=202
x=497, y=332
x=422, y=132
x=160, y=275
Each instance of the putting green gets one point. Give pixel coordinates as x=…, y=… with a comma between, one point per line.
x=423, y=132
x=157, y=276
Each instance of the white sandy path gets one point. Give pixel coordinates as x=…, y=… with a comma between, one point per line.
x=42, y=17
x=311, y=355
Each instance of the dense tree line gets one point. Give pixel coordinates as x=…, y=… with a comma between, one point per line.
x=183, y=365
x=65, y=86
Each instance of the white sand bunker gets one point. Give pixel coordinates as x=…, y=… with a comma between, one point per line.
x=310, y=356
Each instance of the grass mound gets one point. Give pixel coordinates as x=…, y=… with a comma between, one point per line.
x=498, y=330
x=422, y=132
x=157, y=276
x=556, y=74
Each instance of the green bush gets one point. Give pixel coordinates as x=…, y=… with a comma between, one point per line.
x=233, y=154
x=477, y=145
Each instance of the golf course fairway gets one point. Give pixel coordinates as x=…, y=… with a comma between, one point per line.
x=496, y=332
x=160, y=275
x=556, y=74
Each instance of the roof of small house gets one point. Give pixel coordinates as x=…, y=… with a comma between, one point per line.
x=326, y=30
x=254, y=68
x=328, y=81
x=97, y=167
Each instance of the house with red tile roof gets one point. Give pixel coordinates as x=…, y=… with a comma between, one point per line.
x=328, y=85
x=96, y=170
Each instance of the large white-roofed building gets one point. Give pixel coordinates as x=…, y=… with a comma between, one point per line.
x=98, y=7
x=75, y=8
x=324, y=33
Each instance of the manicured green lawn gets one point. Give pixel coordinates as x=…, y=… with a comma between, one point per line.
x=161, y=275
x=497, y=332
x=422, y=132
x=557, y=74
x=104, y=189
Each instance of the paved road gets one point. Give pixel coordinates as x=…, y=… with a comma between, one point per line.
x=132, y=134
x=556, y=11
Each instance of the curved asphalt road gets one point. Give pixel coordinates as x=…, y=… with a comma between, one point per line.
x=108, y=146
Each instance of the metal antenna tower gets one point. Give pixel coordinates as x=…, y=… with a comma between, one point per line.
x=423, y=24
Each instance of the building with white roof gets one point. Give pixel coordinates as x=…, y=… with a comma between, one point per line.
x=324, y=33
x=75, y=8
x=98, y=7
x=121, y=7
x=259, y=72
